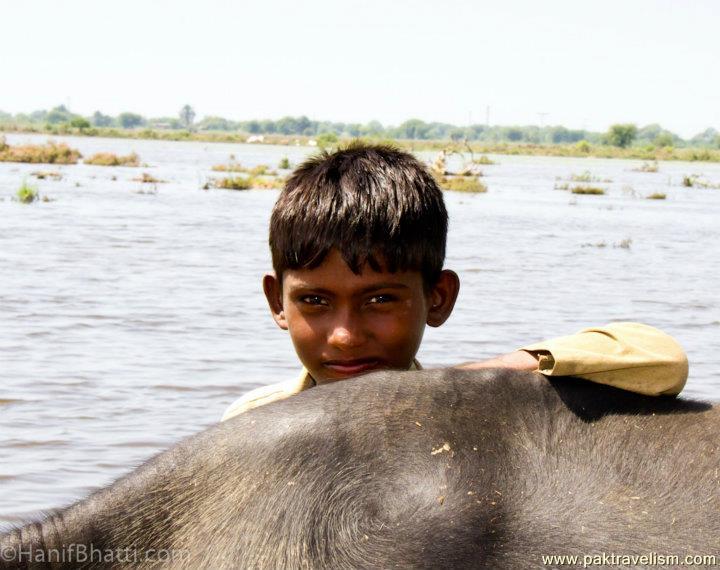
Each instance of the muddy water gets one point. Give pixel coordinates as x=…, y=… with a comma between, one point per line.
x=131, y=314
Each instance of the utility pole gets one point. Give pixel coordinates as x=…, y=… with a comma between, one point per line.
x=487, y=116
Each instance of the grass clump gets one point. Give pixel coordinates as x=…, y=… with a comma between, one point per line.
x=27, y=194
x=146, y=178
x=233, y=183
x=591, y=190
x=694, y=180
x=284, y=163
x=623, y=244
x=462, y=184
x=50, y=153
x=656, y=196
x=647, y=167
x=259, y=170
x=587, y=176
x=484, y=160
x=110, y=159
x=466, y=171
x=42, y=175
x=232, y=167
x=267, y=183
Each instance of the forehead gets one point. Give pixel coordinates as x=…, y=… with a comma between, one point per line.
x=335, y=276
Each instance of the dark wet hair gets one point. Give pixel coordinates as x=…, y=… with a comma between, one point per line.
x=374, y=203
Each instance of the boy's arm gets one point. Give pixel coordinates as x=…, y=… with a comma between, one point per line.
x=631, y=356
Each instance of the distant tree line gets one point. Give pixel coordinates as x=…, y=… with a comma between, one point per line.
x=621, y=135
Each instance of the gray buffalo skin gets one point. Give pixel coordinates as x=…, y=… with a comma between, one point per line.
x=427, y=469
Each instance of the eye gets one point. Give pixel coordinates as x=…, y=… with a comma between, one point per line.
x=381, y=299
x=315, y=300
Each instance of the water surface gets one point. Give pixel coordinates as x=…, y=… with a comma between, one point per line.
x=129, y=320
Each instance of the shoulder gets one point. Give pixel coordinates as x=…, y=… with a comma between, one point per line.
x=267, y=394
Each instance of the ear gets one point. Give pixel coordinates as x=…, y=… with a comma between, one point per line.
x=442, y=297
x=273, y=293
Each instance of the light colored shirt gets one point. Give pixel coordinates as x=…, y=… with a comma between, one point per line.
x=630, y=356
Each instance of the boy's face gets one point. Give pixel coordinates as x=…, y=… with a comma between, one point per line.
x=343, y=324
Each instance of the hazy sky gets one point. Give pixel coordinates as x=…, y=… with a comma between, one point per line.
x=583, y=63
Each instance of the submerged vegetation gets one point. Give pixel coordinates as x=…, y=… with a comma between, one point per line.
x=232, y=183
x=622, y=244
x=462, y=184
x=586, y=176
x=464, y=180
x=246, y=183
x=259, y=170
x=42, y=175
x=647, y=167
x=147, y=178
x=231, y=167
x=49, y=153
x=110, y=159
x=590, y=190
x=694, y=180
x=483, y=160
x=27, y=194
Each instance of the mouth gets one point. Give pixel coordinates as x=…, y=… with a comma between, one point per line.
x=352, y=367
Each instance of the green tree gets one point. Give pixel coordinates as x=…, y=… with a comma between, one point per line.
x=709, y=137
x=187, y=116
x=268, y=126
x=100, y=120
x=373, y=129
x=622, y=135
x=130, y=120
x=327, y=139
x=457, y=134
x=413, y=129
x=38, y=116
x=663, y=139
x=215, y=124
x=287, y=126
x=253, y=127
x=58, y=115
x=80, y=123
x=513, y=134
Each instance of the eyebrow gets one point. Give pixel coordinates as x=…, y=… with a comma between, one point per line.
x=363, y=291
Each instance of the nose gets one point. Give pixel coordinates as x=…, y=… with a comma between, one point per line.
x=346, y=332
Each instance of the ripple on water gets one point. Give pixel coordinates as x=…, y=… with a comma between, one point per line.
x=26, y=443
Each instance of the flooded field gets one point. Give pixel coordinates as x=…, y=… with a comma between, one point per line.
x=131, y=314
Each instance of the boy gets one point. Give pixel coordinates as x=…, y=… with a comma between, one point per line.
x=358, y=243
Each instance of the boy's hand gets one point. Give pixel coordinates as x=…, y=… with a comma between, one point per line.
x=517, y=360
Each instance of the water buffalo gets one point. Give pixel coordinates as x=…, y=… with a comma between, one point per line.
x=427, y=469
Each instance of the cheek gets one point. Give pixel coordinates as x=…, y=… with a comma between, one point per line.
x=304, y=334
x=403, y=327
